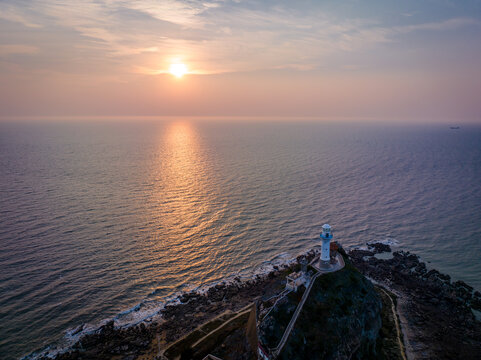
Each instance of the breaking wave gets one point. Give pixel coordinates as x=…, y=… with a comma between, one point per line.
x=151, y=310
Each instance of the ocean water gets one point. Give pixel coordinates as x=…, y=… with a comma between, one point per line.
x=104, y=220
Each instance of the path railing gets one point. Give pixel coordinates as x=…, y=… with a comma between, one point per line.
x=279, y=297
x=277, y=350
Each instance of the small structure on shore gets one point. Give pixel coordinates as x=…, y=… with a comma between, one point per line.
x=294, y=280
x=326, y=237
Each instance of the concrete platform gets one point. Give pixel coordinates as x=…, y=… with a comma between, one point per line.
x=324, y=267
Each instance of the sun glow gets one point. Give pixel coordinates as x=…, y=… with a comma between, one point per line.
x=178, y=70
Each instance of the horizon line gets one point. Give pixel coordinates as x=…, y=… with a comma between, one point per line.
x=280, y=118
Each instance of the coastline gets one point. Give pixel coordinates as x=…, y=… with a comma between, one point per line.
x=177, y=316
x=436, y=315
x=414, y=308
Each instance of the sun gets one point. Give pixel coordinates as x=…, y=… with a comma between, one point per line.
x=178, y=70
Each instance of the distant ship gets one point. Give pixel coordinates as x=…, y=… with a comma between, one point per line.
x=454, y=127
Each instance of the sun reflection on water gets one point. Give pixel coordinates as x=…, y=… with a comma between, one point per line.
x=185, y=205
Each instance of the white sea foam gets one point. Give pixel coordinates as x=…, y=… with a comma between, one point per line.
x=387, y=241
x=368, y=246
x=149, y=310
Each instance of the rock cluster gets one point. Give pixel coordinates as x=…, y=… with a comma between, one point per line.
x=439, y=313
x=108, y=341
x=174, y=321
x=436, y=312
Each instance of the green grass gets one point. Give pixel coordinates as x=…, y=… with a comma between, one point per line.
x=214, y=324
x=281, y=315
x=182, y=349
x=183, y=346
x=387, y=345
x=217, y=337
x=330, y=315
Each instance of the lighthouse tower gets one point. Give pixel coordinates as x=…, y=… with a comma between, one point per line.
x=326, y=237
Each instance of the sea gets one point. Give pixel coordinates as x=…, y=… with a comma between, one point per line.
x=111, y=219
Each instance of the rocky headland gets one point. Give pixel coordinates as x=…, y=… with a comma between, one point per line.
x=435, y=314
x=144, y=341
x=341, y=319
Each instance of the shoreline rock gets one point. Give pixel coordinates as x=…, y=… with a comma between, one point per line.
x=176, y=320
x=438, y=318
x=435, y=313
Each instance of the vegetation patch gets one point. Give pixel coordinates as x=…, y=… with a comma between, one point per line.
x=342, y=313
x=218, y=336
x=387, y=345
x=273, y=326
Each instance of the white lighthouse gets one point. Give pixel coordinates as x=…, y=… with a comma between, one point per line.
x=326, y=237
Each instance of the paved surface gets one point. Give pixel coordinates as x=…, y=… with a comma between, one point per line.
x=340, y=264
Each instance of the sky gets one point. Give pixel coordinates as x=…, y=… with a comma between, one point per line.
x=408, y=60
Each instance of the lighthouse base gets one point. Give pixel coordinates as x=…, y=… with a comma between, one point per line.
x=324, y=265
x=327, y=266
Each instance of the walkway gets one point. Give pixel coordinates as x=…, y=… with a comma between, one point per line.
x=241, y=312
x=235, y=315
x=279, y=297
x=398, y=328
x=277, y=350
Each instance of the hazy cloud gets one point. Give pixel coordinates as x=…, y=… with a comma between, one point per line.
x=213, y=36
x=18, y=12
x=262, y=57
x=17, y=49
